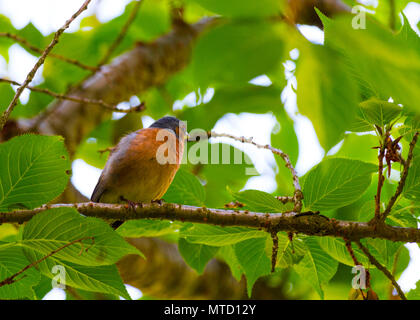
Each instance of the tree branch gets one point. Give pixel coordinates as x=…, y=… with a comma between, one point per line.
x=38, y=64
x=306, y=223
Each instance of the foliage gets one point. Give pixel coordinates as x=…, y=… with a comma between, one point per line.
x=355, y=87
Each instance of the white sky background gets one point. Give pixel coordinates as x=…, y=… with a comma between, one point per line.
x=49, y=15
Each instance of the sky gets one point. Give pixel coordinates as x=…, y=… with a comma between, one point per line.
x=49, y=15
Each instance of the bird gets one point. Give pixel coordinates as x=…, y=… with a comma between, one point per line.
x=142, y=166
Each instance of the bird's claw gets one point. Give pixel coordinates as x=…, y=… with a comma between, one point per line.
x=158, y=201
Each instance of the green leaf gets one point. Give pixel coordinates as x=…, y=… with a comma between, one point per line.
x=222, y=53
x=223, y=166
x=52, y=229
x=99, y=139
x=360, y=124
x=359, y=147
x=34, y=170
x=227, y=254
x=414, y=294
x=384, y=63
x=379, y=112
x=407, y=33
x=43, y=287
x=196, y=255
x=289, y=252
x=401, y=217
x=219, y=236
x=336, y=182
x=259, y=201
x=367, y=211
x=33, y=35
x=253, y=260
x=145, y=228
x=336, y=248
x=36, y=103
x=104, y=279
x=6, y=95
x=185, y=189
x=411, y=126
x=316, y=267
x=383, y=250
x=412, y=183
x=233, y=99
x=326, y=93
x=5, y=43
x=241, y=8
x=12, y=260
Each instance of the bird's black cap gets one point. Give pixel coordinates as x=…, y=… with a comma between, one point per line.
x=166, y=123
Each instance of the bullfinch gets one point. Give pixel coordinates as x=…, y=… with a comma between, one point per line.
x=141, y=167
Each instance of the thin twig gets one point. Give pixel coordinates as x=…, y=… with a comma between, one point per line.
x=384, y=270
x=60, y=96
x=403, y=178
x=381, y=179
x=11, y=279
x=275, y=250
x=38, y=64
x=394, y=269
x=285, y=199
x=351, y=252
x=298, y=195
x=122, y=34
x=31, y=47
x=357, y=263
x=392, y=14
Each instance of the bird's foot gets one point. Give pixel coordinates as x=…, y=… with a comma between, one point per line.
x=158, y=201
x=132, y=204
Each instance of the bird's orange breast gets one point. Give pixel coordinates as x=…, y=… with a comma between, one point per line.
x=143, y=166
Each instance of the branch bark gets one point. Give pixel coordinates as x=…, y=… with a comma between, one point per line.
x=308, y=223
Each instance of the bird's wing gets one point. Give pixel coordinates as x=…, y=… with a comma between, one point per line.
x=101, y=186
x=99, y=190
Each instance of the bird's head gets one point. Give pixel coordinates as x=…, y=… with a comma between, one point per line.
x=171, y=123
